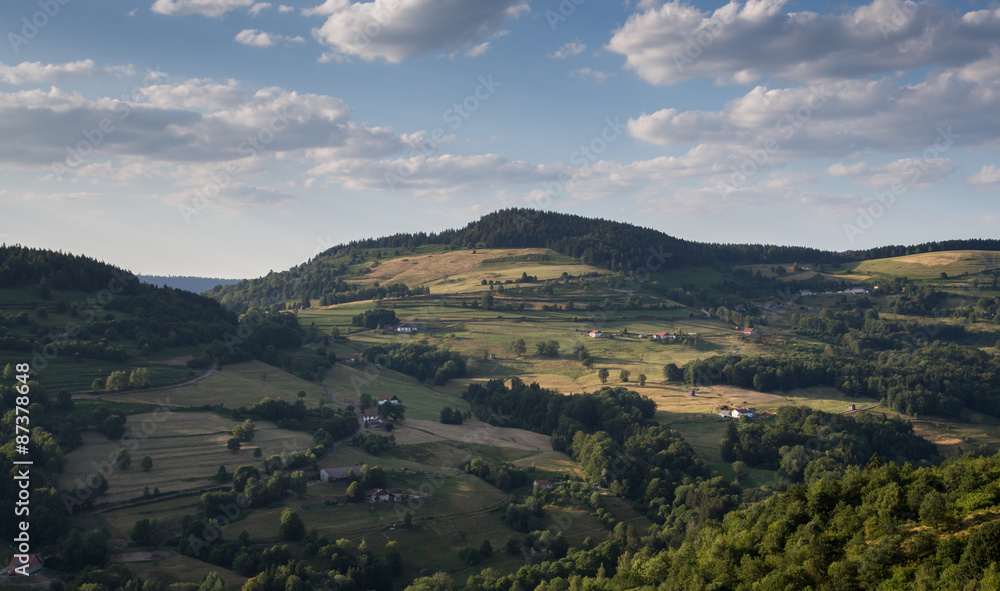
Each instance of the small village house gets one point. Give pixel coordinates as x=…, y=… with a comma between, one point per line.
x=390, y=398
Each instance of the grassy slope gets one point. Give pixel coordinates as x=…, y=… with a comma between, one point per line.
x=187, y=449
x=240, y=384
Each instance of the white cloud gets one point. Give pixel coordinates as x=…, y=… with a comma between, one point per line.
x=285, y=8
x=439, y=176
x=258, y=7
x=842, y=119
x=39, y=72
x=590, y=74
x=477, y=50
x=395, y=30
x=987, y=179
x=569, y=49
x=256, y=38
x=194, y=122
x=911, y=173
x=742, y=42
x=209, y=8
x=197, y=93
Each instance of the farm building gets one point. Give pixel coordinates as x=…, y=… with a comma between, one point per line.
x=370, y=416
x=542, y=484
x=596, y=334
x=354, y=358
x=407, y=328
x=663, y=336
x=16, y=567
x=390, y=398
x=744, y=412
x=748, y=332
x=380, y=495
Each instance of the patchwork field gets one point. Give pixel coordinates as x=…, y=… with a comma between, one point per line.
x=423, y=431
x=187, y=449
x=233, y=386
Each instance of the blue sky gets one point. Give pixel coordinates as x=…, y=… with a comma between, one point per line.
x=228, y=138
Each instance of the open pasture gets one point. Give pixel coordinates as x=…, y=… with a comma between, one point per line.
x=930, y=265
x=240, y=384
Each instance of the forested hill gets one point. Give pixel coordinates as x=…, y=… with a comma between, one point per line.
x=605, y=243
x=609, y=244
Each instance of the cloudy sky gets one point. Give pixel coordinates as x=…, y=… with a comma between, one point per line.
x=231, y=137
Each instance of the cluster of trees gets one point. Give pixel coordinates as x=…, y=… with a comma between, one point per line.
x=374, y=444
x=799, y=435
x=376, y=317
x=940, y=378
x=450, y=416
x=505, y=476
x=424, y=362
x=547, y=348
x=357, y=293
x=121, y=380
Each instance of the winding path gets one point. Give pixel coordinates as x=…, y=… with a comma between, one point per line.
x=211, y=370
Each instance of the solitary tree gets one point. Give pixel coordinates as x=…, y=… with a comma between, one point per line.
x=146, y=463
x=642, y=380
x=354, y=493
x=123, y=459
x=233, y=444
x=603, y=374
x=624, y=374
x=518, y=347
x=291, y=527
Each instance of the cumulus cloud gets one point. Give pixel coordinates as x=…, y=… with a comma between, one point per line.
x=395, y=30
x=591, y=74
x=441, y=176
x=987, y=179
x=258, y=7
x=569, y=49
x=38, y=72
x=842, y=119
x=193, y=122
x=742, y=42
x=197, y=93
x=209, y=8
x=256, y=38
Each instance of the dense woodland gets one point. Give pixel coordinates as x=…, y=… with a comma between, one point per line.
x=799, y=435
